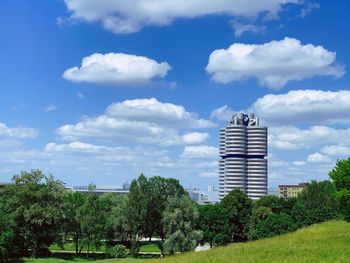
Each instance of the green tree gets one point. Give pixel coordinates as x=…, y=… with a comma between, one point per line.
x=274, y=224
x=145, y=206
x=92, y=221
x=160, y=190
x=35, y=204
x=73, y=202
x=315, y=204
x=238, y=208
x=214, y=224
x=275, y=203
x=122, y=226
x=179, y=219
x=6, y=236
x=259, y=214
x=109, y=203
x=137, y=214
x=341, y=179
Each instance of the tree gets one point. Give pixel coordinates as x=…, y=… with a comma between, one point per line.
x=92, y=221
x=6, y=236
x=341, y=179
x=214, y=224
x=275, y=203
x=315, y=204
x=179, y=219
x=35, y=204
x=138, y=204
x=73, y=202
x=160, y=190
x=146, y=204
x=120, y=220
x=259, y=214
x=238, y=208
x=109, y=203
x=274, y=224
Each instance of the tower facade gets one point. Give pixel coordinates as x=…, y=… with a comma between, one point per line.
x=242, y=165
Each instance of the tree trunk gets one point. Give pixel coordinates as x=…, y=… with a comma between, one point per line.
x=76, y=246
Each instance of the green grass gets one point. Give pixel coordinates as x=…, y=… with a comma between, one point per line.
x=149, y=248
x=71, y=247
x=327, y=242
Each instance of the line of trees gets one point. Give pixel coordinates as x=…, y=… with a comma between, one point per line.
x=37, y=211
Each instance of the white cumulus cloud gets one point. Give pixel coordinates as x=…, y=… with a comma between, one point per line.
x=202, y=151
x=222, y=113
x=195, y=137
x=17, y=132
x=304, y=106
x=142, y=121
x=273, y=64
x=120, y=16
x=292, y=138
x=336, y=150
x=318, y=158
x=117, y=69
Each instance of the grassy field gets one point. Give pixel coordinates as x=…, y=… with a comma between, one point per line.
x=327, y=242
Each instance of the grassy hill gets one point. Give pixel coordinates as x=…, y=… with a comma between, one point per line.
x=327, y=242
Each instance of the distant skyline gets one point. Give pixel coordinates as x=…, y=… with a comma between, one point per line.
x=103, y=90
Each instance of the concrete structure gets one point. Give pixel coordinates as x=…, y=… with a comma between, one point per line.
x=197, y=196
x=100, y=190
x=243, y=148
x=289, y=191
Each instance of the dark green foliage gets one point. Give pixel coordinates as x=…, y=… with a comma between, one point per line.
x=274, y=224
x=35, y=205
x=259, y=214
x=341, y=179
x=315, y=204
x=145, y=206
x=160, y=190
x=179, y=219
x=6, y=236
x=109, y=203
x=71, y=227
x=137, y=214
x=238, y=208
x=214, y=224
x=275, y=203
x=117, y=251
x=92, y=222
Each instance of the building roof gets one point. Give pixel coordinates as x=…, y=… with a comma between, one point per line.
x=293, y=185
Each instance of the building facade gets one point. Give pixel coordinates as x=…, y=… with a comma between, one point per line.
x=242, y=165
x=290, y=191
x=101, y=189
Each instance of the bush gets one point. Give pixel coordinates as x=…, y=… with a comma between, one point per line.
x=118, y=251
x=273, y=225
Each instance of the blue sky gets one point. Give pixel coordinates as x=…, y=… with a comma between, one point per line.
x=159, y=80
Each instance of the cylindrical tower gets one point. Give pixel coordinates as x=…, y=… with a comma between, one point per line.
x=256, y=141
x=256, y=177
x=243, y=148
x=235, y=174
x=235, y=140
x=222, y=142
x=221, y=178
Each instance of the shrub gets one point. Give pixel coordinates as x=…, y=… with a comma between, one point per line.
x=118, y=251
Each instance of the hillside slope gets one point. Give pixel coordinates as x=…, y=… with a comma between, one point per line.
x=327, y=242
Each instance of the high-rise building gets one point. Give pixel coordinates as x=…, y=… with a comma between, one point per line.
x=243, y=148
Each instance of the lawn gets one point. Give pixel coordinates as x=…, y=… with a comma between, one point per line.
x=327, y=242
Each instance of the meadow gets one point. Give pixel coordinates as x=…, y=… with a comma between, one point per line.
x=326, y=242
